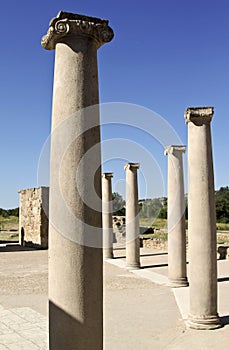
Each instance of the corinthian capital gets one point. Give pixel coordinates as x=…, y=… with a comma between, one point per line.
x=174, y=149
x=107, y=175
x=199, y=115
x=66, y=23
x=132, y=166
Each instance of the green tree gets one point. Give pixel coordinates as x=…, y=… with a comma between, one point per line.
x=9, y=212
x=163, y=212
x=150, y=208
x=222, y=205
x=118, y=204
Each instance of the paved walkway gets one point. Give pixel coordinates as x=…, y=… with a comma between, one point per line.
x=140, y=311
x=23, y=298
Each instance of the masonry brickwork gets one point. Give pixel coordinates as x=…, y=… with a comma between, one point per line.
x=33, y=220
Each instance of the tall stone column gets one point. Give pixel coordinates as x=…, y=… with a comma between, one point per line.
x=201, y=221
x=75, y=265
x=177, y=272
x=132, y=217
x=107, y=216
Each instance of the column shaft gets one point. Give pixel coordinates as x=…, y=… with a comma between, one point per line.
x=201, y=221
x=177, y=273
x=132, y=217
x=75, y=266
x=107, y=216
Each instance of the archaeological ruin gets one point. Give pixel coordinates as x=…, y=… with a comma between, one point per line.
x=132, y=218
x=203, y=310
x=75, y=262
x=177, y=271
x=33, y=217
x=107, y=212
x=81, y=226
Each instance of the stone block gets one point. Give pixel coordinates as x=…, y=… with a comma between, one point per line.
x=33, y=217
x=223, y=252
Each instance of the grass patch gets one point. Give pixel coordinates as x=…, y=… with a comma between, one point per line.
x=161, y=224
x=222, y=241
x=222, y=227
x=153, y=222
x=9, y=223
x=9, y=229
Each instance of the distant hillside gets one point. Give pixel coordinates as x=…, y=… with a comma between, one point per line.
x=157, y=207
x=5, y=213
x=222, y=205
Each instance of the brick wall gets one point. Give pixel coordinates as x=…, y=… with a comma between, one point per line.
x=33, y=222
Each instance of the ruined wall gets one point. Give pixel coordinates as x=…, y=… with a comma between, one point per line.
x=119, y=229
x=33, y=222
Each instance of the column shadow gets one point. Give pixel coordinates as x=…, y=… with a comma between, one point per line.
x=153, y=266
x=142, y=255
x=16, y=248
x=66, y=332
x=223, y=279
x=224, y=320
x=153, y=254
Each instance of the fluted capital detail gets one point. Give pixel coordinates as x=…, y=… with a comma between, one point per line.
x=199, y=115
x=107, y=175
x=174, y=149
x=66, y=23
x=132, y=166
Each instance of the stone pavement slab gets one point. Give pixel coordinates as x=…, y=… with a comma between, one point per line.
x=140, y=310
x=155, y=263
x=22, y=328
x=23, y=298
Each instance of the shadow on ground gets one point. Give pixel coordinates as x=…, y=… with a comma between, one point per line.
x=224, y=320
x=223, y=279
x=152, y=266
x=15, y=248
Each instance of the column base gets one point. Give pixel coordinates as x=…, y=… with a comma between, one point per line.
x=107, y=257
x=177, y=283
x=107, y=254
x=204, y=322
x=133, y=266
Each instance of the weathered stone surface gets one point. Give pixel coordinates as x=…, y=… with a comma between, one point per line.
x=107, y=207
x=155, y=243
x=199, y=115
x=119, y=229
x=88, y=27
x=222, y=252
x=201, y=221
x=132, y=216
x=177, y=272
x=75, y=242
x=33, y=220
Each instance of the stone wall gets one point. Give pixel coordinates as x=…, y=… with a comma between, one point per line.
x=155, y=244
x=33, y=222
x=119, y=229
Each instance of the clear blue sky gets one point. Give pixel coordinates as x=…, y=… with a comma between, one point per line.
x=166, y=56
